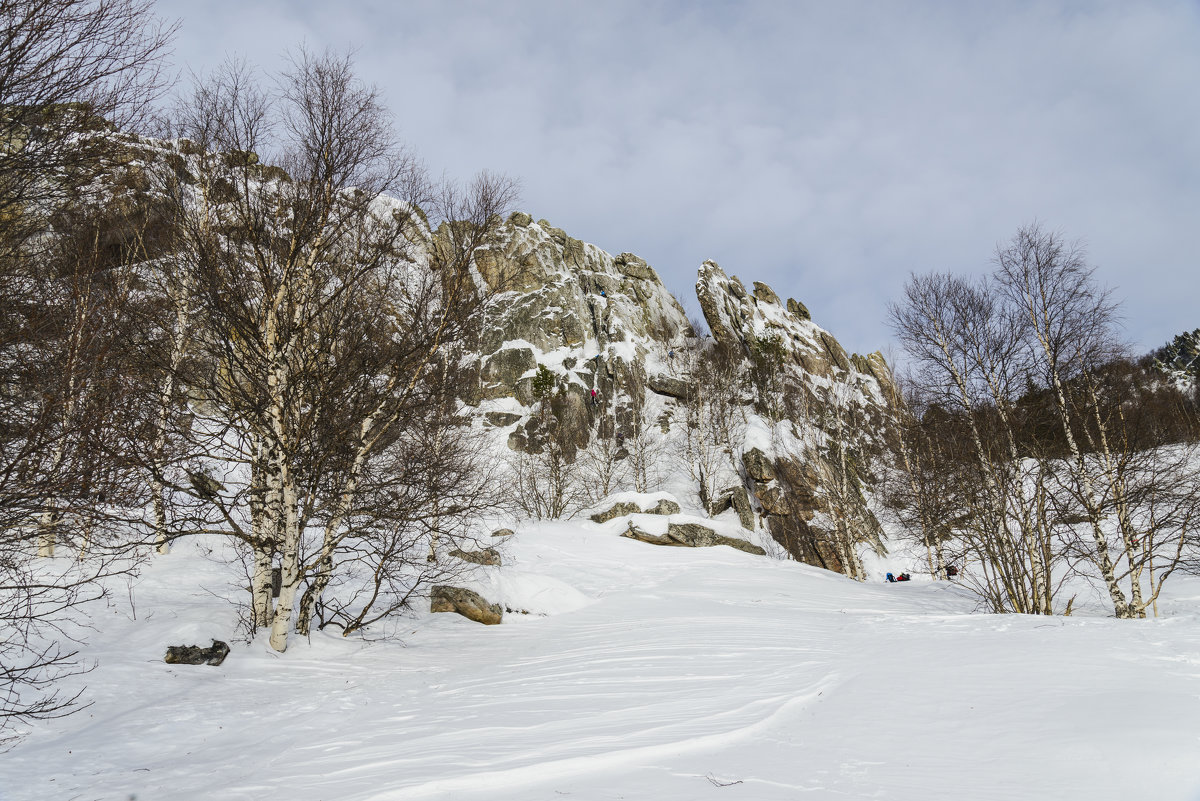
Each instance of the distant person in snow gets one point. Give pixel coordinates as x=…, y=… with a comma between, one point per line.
x=951, y=571
x=603, y=294
x=595, y=398
x=904, y=577
x=890, y=577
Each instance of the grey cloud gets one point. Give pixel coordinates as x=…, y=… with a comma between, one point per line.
x=826, y=148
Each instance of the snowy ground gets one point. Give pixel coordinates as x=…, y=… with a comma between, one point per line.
x=689, y=674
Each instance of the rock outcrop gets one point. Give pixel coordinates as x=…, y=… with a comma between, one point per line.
x=581, y=321
x=691, y=535
x=738, y=499
x=663, y=506
x=833, y=396
x=561, y=292
x=467, y=603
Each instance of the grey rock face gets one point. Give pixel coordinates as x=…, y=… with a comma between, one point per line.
x=467, y=603
x=765, y=294
x=718, y=297
x=798, y=309
x=566, y=292
x=665, y=506
x=740, y=500
x=691, y=535
x=836, y=352
x=721, y=502
x=878, y=368
x=563, y=293
x=773, y=501
x=743, y=321
x=695, y=535
x=805, y=543
x=757, y=465
x=672, y=387
x=504, y=368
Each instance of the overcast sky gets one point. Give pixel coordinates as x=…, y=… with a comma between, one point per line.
x=826, y=148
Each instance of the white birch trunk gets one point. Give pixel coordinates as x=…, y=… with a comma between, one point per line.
x=48, y=530
x=281, y=622
x=182, y=300
x=260, y=588
x=1103, y=559
x=52, y=514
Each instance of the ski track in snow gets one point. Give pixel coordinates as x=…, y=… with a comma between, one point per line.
x=695, y=674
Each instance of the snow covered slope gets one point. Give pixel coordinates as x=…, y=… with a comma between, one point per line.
x=648, y=673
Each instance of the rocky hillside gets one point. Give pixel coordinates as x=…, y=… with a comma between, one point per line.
x=586, y=352
x=620, y=349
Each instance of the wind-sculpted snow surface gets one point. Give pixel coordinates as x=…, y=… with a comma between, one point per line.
x=690, y=674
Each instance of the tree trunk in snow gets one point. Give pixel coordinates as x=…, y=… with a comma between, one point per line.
x=181, y=298
x=281, y=622
x=48, y=530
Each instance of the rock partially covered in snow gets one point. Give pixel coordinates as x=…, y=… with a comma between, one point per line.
x=467, y=603
x=672, y=387
x=738, y=499
x=488, y=556
x=691, y=535
x=629, y=503
x=196, y=655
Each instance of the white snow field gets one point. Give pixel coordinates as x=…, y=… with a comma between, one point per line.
x=651, y=673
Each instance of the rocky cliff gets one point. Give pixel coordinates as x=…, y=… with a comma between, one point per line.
x=587, y=350
x=811, y=413
x=836, y=407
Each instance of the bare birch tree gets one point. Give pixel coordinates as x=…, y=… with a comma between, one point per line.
x=69, y=71
x=546, y=479
x=715, y=417
x=964, y=348
x=328, y=306
x=1018, y=363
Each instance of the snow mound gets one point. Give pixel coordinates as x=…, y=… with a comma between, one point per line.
x=527, y=593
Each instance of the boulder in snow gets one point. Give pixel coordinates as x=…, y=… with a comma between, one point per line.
x=758, y=465
x=195, y=655
x=467, y=603
x=616, y=510
x=664, y=506
x=488, y=556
